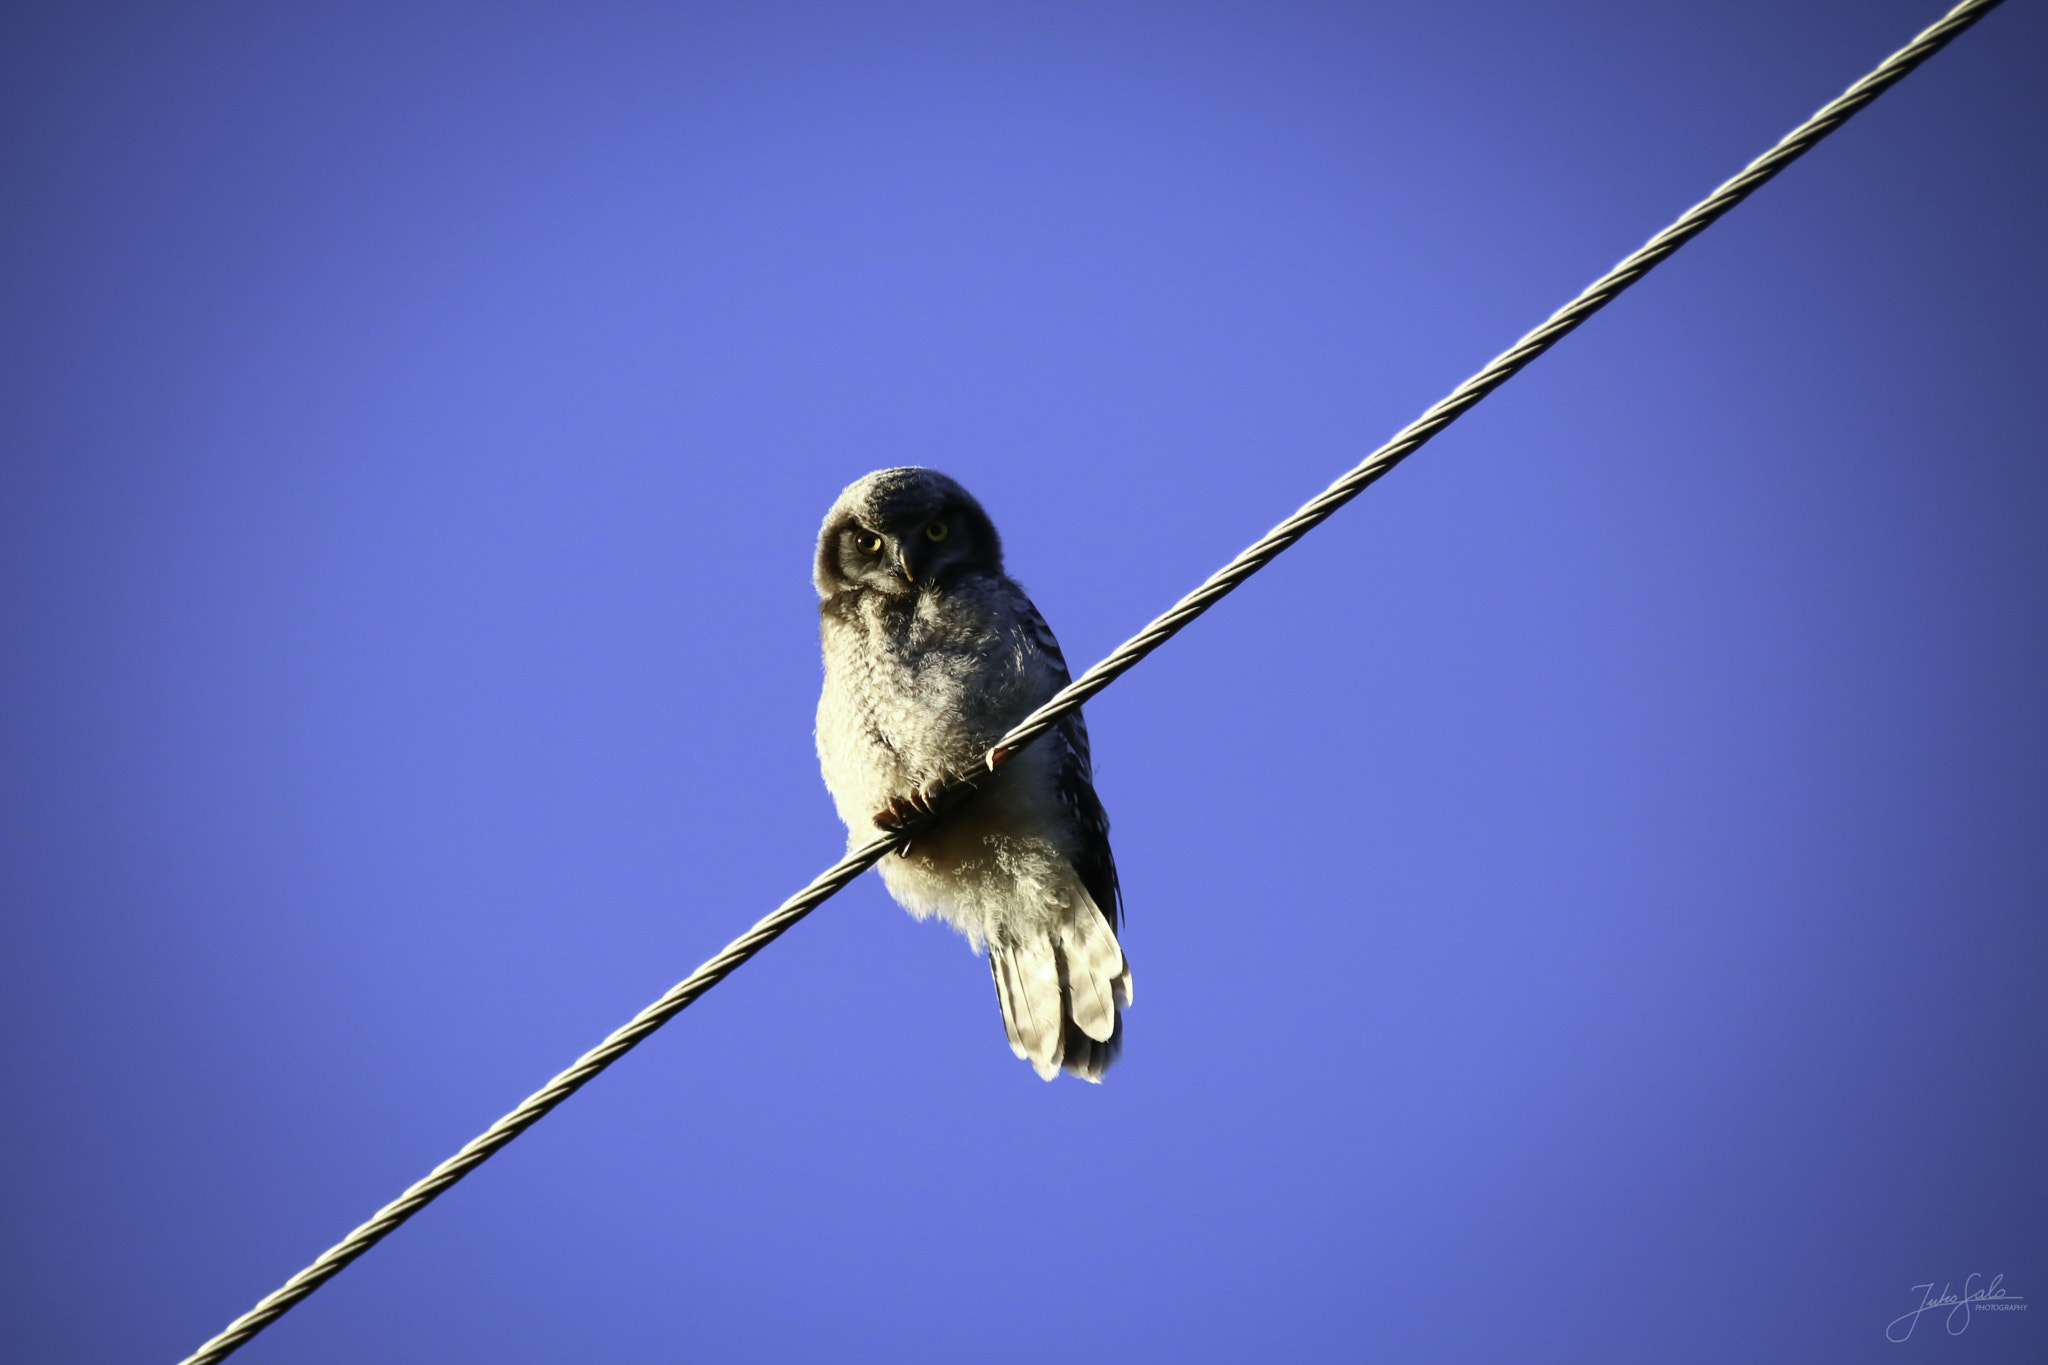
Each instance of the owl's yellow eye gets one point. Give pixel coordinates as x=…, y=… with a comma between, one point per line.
x=935, y=531
x=868, y=543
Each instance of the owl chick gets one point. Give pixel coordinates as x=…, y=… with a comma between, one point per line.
x=932, y=654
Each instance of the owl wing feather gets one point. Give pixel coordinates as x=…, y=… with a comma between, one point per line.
x=1092, y=975
x=1075, y=779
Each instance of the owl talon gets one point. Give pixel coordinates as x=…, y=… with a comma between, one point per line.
x=907, y=809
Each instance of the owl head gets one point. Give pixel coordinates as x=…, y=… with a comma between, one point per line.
x=899, y=531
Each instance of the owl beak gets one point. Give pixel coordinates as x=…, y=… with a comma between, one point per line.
x=906, y=566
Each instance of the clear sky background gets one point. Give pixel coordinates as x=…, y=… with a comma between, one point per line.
x=1586, y=902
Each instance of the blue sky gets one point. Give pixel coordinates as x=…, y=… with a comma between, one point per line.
x=1586, y=900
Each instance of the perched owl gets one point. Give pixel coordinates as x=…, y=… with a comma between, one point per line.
x=931, y=654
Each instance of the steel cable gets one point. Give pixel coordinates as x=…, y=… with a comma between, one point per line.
x=1405, y=443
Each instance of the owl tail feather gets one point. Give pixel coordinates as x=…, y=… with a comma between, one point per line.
x=1059, y=995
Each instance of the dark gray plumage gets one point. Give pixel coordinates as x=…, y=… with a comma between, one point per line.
x=931, y=654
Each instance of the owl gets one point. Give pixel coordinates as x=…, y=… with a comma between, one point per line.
x=932, y=653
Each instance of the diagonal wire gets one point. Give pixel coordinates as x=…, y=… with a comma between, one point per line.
x=1405, y=443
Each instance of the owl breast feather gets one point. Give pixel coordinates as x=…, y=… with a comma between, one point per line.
x=918, y=689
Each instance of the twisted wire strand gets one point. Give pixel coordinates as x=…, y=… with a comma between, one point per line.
x=1120, y=661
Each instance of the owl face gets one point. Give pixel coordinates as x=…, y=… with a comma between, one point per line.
x=900, y=531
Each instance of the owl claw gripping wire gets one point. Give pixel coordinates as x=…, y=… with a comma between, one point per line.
x=911, y=812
